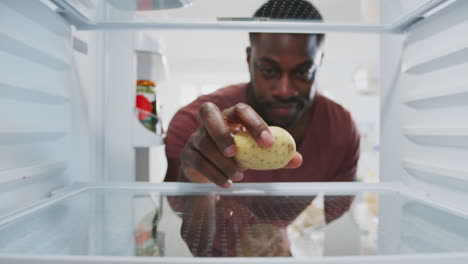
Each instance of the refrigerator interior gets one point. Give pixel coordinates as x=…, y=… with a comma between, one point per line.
x=65, y=138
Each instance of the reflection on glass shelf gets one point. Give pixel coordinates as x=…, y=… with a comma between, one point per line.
x=136, y=223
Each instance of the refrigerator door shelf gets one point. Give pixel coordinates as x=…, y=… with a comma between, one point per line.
x=287, y=222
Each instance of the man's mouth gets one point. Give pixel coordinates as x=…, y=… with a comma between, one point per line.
x=282, y=109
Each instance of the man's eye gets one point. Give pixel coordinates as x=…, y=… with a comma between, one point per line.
x=304, y=74
x=268, y=72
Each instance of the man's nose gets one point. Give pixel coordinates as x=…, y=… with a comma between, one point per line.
x=285, y=87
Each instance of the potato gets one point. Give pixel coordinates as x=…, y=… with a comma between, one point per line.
x=252, y=156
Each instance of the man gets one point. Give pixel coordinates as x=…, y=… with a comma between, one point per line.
x=281, y=92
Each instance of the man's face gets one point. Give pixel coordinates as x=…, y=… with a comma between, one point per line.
x=282, y=71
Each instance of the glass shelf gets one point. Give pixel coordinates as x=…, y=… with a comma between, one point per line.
x=339, y=15
x=125, y=222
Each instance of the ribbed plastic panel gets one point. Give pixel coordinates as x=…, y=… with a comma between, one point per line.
x=426, y=106
x=35, y=87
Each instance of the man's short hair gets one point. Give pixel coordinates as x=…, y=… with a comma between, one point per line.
x=289, y=9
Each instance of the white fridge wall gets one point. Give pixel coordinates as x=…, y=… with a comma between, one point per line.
x=46, y=112
x=119, y=103
x=390, y=106
x=424, y=106
x=87, y=105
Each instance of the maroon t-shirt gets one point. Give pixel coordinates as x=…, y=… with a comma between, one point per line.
x=330, y=147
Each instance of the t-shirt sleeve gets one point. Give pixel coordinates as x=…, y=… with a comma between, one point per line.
x=348, y=168
x=184, y=123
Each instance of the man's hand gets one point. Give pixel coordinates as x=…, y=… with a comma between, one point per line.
x=207, y=156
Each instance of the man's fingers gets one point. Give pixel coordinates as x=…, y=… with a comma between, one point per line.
x=194, y=176
x=198, y=169
x=246, y=116
x=206, y=146
x=295, y=162
x=215, y=125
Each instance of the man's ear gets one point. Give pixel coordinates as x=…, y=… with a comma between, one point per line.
x=319, y=58
x=248, y=52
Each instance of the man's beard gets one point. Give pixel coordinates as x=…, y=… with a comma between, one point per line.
x=264, y=108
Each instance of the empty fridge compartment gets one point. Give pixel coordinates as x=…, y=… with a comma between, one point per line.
x=417, y=214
